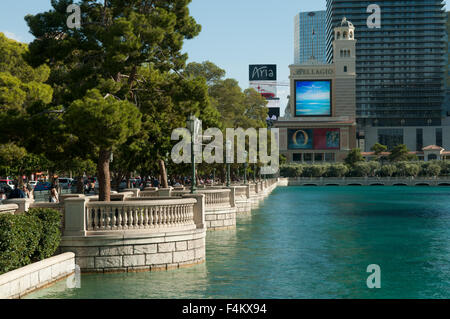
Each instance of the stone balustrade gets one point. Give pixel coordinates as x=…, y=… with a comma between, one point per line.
x=101, y=216
x=8, y=209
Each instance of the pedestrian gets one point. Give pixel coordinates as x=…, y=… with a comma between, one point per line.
x=16, y=192
x=26, y=191
x=2, y=194
x=54, y=197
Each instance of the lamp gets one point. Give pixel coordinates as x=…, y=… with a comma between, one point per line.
x=245, y=167
x=228, y=149
x=193, y=125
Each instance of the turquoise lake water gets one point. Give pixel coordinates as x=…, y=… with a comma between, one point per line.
x=308, y=242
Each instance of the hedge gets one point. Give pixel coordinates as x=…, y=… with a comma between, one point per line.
x=28, y=238
x=363, y=169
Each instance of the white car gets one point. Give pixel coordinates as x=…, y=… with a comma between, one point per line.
x=65, y=182
x=33, y=183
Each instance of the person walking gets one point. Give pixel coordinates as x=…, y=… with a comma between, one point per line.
x=16, y=192
x=54, y=197
x=26, y=192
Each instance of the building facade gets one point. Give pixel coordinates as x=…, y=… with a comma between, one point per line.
x=400, y=67
x=310, y=36
x=320, y=122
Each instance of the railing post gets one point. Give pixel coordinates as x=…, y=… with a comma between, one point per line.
x=247, y=191
x=75, y=217
x=135, y=191
x=232, y=196
x=199, y=209
x=23, y=203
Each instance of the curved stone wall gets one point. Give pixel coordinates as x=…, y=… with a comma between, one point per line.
x=137, y=252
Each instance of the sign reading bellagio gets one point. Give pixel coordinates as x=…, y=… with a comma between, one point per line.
x=313, y=98
x=314, y=139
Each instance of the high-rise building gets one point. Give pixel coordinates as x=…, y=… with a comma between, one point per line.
x=310, y=37
x=400, y=85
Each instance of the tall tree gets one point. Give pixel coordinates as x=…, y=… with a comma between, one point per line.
x=114, y=52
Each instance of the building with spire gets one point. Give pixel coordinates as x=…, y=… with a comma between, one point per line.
x=320, y=123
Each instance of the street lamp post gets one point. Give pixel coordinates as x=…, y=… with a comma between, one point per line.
x=193, y=124
x=228, y=149
x=255, y=159
x=245, y=168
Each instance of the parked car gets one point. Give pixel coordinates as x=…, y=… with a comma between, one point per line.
x=33, y=183
x=7, y=182
x=65, y=182
x=42, y=186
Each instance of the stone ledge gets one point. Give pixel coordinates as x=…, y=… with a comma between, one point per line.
x=22, y=281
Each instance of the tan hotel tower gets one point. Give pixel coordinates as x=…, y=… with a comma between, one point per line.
x=320, y=121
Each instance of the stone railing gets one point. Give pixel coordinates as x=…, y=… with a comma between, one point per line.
x=8, y=209
x=241, y=191
x=101, y=216
x=216, y=197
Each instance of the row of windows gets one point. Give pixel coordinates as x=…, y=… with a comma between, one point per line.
x=313, y=157
x=394, y=137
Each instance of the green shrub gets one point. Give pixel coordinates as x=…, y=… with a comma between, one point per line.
x=291, y=170
x=336, y=170
x=19, y=239
x=387, y=170
x=51, y=234
x=313, y=170
x=360, y=169
x=406, y=169
x=28, y=238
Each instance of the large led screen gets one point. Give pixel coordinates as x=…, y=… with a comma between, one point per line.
x=312, y=98
x=300, y=139
x=314, y=139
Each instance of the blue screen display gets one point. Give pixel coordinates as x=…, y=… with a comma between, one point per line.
x=313, y=98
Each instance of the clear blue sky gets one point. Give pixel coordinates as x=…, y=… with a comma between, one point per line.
x=235, y=33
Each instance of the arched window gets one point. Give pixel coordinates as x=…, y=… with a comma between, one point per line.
x=338, y=35
x=351, y=35
x=345, y=35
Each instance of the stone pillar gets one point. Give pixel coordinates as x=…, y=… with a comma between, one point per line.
x=23, y=203
x=247, y=191
x=75, y=217
x=63, y=197
x=165, y=192
x=199, y=209
x=135, y=191
x=232, y=196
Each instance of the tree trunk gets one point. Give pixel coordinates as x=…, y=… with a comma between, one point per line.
x=80, y=185
x=128, y=180
x=104, y=180
x=162, y=172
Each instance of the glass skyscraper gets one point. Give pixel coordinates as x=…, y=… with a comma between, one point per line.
x=310, y=33
x=401, y=66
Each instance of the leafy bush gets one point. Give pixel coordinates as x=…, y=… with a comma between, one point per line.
x=51, y=234
x=336, y=170
x=313, y=170
x=19, y=239
x=387, y=170
x=360, y=169
x=28, y=238
x=291, y=170
x=406, y=169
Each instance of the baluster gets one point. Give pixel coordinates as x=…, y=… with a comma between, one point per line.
x=125, y=217
x=141, y=217
x=130, y=217
x=152, y=219
x=157, y=215
x=108, y=218
x=146, y=217
x=88, y=218
x=96, y=219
